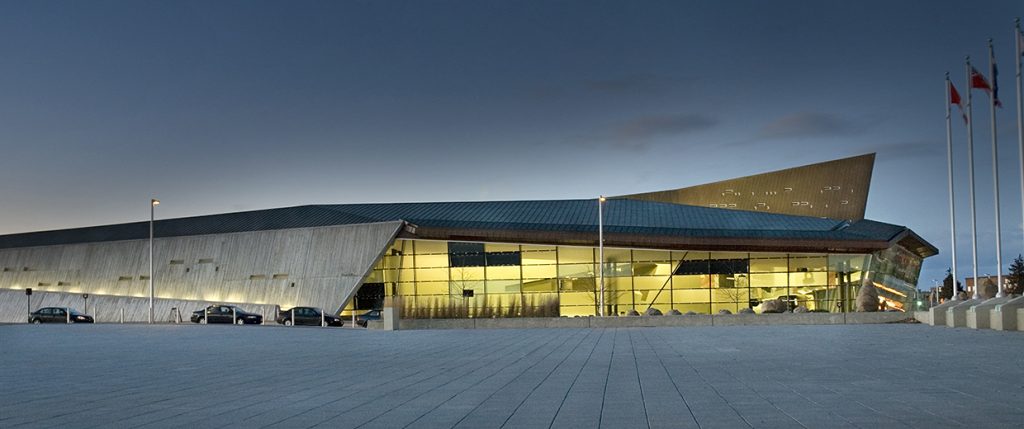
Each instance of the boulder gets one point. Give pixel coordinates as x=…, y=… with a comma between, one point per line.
x=773, y=306
x=867, y=298
x=652, y=312
x=801, y=309
x=674, y=312
x=747, y=311
x=691, y=313
x=632, y=312
x=724, y=311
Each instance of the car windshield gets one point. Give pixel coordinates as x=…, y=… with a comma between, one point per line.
x=75, y=312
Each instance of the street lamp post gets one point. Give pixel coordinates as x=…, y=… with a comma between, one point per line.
x=152, y=212
x=600, y=247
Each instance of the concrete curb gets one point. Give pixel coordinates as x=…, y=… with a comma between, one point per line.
x=659, y=321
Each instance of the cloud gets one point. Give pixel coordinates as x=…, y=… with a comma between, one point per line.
x=806, y=125
x=637, y=133
x=636, y=83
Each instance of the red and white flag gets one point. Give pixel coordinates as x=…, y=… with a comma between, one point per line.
x=954, y=98
x=978, y=81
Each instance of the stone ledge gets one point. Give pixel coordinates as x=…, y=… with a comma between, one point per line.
x=659, y=321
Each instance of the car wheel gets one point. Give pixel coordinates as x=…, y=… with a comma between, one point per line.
x=287, y=323
x=36, y=321
x=240, y=322
x=325, y=324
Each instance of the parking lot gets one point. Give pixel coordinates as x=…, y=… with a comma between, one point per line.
x=896, y=375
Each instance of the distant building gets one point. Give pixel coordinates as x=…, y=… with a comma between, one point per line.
x=701, y=249
x=989, y=281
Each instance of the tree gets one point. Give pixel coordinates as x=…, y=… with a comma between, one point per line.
x=947, y=285
x=1016, y=277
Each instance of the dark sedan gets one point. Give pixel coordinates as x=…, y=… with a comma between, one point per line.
x=58, y=315
x=226, y=314
x=308, y=316
x=362, y=319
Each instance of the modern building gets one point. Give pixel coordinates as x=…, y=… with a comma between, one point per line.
x=490, y=259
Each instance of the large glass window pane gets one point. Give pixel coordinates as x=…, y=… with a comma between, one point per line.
x=466, y=254
x=539, y=258
x=769, y=263
x=499, y=247
x=651, y=256
x=690, y=296
x=575, y=255
x=540, y=271
x=769, y=279
x=691, y=282
x=407, y=289
x=808, y=278
x=617, y=255
x=503, y=286
x=459, y=274
x=578, y=298
x=618, y=269
x=576, y=270
x=458, y=289
x=431, y=261
x=431, y=274
x=503, y=258
x=803, y=263
x=652, y=268
x=647, y=283
x=429, y=246
x=432, y=288
x=503, y=273
x=405, y=275
x=578, y=284
x=546, y=285
x=646, y=298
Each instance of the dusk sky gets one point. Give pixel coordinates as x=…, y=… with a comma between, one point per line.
x=225, y=106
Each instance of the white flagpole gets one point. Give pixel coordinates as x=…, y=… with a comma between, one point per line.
x=995, y=173
x=949, y=164
x=1020, y=107
x=970, y=172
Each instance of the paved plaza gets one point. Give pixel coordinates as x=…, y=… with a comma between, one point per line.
x=873, y=376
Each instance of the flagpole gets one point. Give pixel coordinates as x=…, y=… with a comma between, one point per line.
x=970, y=173
x=949, y=165
x=1019, y=41
x=995, y=173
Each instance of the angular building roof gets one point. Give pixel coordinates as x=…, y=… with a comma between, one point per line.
x=835, y=189
x=628, y=223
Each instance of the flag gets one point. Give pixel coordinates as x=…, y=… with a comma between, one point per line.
x=978, y=81
x=954, y=98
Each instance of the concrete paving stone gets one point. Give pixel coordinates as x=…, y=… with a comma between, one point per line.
x=877, y=376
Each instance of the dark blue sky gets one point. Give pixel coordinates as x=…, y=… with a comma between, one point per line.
x=233, y=105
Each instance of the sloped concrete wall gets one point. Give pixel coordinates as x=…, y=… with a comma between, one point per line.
x=320, y=267
x=107, y=308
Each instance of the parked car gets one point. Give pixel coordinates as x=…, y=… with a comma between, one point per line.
x=309, y=316
x=223, y=314
x=362, y=319
x=58, y=315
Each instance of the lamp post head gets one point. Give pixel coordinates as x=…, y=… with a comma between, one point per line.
x=154, y=202
x=602, y=198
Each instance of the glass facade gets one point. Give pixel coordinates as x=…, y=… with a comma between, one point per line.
x=441, y=279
